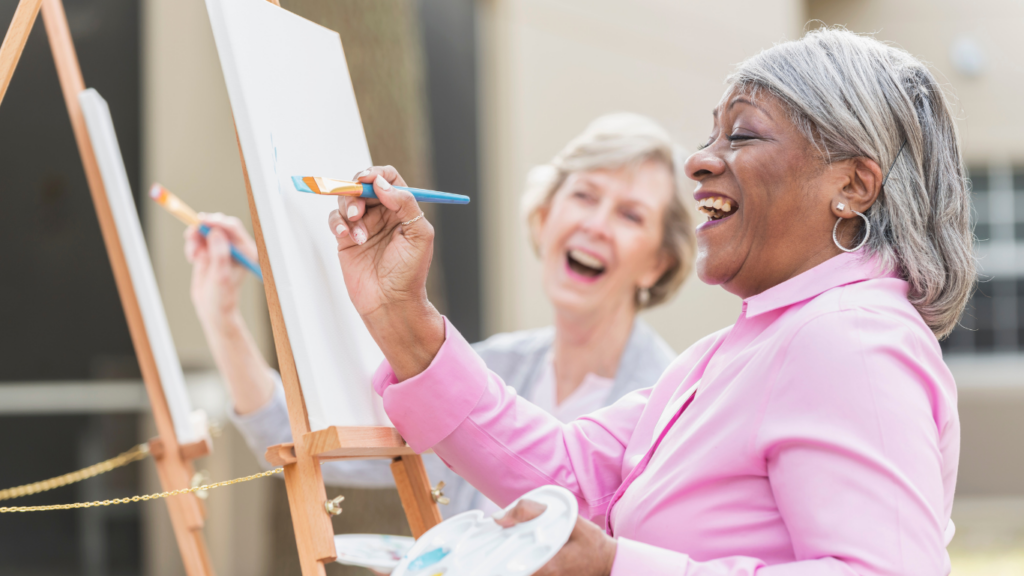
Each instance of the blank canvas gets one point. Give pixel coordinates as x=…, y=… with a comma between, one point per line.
x=133, y=243
x=296, y=114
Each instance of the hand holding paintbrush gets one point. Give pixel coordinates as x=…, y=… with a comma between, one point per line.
x=183, y=212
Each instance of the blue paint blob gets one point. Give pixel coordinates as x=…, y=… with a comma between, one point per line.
x=428, y=559
x=300, y=185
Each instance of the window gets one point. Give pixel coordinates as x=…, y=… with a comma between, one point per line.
x=994, y=318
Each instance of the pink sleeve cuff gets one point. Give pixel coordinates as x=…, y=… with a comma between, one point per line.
x=632, y=557
x=428, y=407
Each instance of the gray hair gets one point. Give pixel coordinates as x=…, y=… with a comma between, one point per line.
x=610, y=142
x=855, y=97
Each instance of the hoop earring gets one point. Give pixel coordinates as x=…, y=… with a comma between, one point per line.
x=867, y=233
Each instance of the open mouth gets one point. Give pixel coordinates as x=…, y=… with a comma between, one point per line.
x=584, y=264
x=717, y=207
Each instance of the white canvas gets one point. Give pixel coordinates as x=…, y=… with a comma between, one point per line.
x=296, y=114
x=133, y=243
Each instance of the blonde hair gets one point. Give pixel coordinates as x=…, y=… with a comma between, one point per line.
x=616, y=141
x=855, y=97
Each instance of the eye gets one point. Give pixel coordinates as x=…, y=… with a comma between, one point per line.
x=706, y=144
x=633, y=217
x=739, y=137
x=583, y=195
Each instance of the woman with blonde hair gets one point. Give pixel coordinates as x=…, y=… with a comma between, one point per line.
x=607, y=219
x=817, y=435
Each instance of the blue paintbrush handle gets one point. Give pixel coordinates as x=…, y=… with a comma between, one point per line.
x=238, y=256
x=421, y=195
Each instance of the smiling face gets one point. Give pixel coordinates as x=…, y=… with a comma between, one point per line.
x=600, y=238
x=777, y=190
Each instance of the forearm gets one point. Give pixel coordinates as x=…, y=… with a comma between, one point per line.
x=241, y=364
x=500, y=443
x=409, y=335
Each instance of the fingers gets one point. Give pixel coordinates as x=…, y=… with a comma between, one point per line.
x=387, y=172
x=234, y=230
x=523, y=511
x=219, y=247
x=353, y=210
x=399, y=201
x=340, y=229
x=194, y=243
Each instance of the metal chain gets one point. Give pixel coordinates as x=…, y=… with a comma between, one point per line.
x=145, y=498
x=137, y=453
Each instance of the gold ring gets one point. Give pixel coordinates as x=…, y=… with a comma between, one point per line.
x=406, y=223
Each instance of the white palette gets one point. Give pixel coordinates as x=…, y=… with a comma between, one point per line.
x=296, y=115
x=380, y=552
x=129, y=232
x=472, y=544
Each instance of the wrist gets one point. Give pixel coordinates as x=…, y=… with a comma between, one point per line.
x=409, y=334
x=222, y=328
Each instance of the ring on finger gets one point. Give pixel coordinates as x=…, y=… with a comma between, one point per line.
x=407, y=222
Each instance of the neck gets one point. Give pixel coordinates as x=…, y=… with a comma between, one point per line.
x=589, y=343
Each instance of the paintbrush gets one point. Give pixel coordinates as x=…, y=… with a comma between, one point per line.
x=332, y=187
x=183, y=212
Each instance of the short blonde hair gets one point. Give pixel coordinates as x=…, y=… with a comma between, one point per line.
x=610, y=142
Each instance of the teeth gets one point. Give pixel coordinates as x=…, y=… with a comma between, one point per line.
x=586, y=259
x=713, y=207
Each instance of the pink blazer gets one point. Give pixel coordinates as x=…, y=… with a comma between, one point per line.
x=816, y=436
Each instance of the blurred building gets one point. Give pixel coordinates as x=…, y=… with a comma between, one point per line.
x=507, y=83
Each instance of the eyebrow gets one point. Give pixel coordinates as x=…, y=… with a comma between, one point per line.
x=741, y=100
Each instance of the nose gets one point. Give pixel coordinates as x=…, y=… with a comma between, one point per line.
x=598, y=221
x=703, y=163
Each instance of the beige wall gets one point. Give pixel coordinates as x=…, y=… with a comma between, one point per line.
x=991, y=118
x=189, y=146
x=547, y=68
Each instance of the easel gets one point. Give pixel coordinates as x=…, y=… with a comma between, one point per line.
x=173, y=461
x=301, y=458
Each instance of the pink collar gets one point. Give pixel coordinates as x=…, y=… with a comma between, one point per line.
x=846, y=268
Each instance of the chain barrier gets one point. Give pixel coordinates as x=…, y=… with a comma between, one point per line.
x=145, y=498
x=135, y=454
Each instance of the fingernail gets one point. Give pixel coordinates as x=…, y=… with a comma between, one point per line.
x=384, y=184
x=498, y=515
x=359, y=236
x=341, y=230
x=363, y=173
x=352, y=211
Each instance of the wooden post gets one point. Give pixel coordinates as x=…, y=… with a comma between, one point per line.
x=174, y=470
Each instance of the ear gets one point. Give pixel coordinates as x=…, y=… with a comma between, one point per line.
x=536, y=226
x=651, y=277
x=862, y=182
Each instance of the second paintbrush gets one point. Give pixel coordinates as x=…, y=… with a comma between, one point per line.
x=332, y=187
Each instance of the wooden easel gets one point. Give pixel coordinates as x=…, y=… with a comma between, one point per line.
x=301, y=458
x=173, y=461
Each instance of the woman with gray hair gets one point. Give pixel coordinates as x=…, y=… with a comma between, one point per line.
x=607, y=219
x=817, y=435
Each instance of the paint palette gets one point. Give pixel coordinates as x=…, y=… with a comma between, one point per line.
x=473, y=543
x=379, y=552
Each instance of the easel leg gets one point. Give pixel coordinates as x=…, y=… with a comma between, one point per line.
x=414, y=490
x=314, y=534
x=14, y=41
